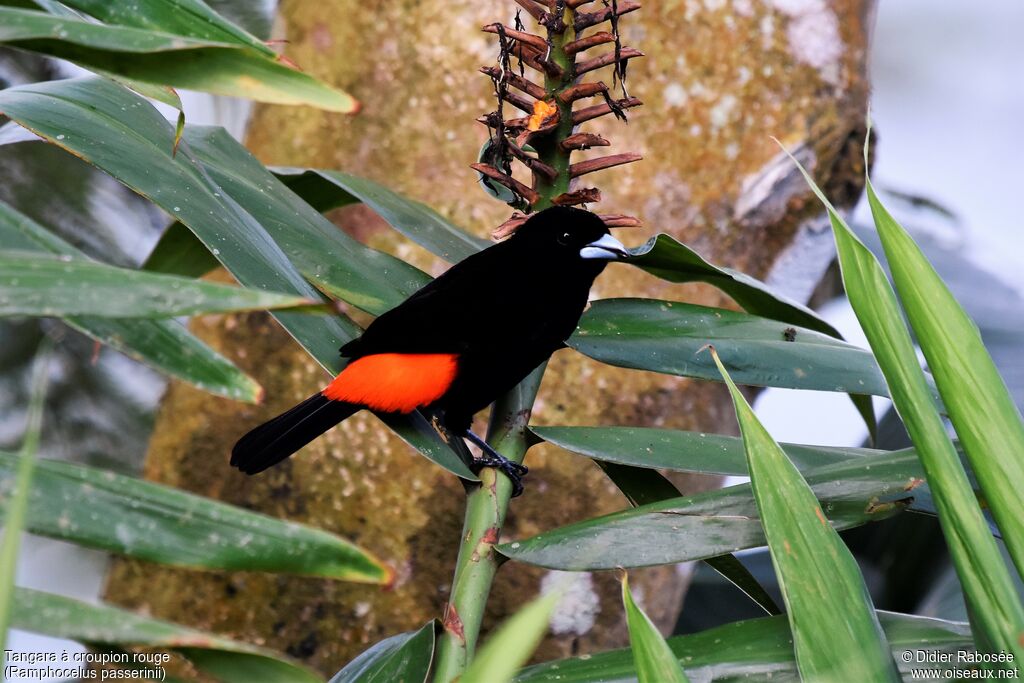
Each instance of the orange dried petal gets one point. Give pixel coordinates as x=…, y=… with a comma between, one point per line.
x=542, y=113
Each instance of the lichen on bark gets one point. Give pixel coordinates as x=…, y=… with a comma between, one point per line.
x=719, y=79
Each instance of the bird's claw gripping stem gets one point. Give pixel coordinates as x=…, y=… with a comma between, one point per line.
x=513, y=470
x=492, y=458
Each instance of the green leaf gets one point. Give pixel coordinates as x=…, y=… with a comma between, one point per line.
x=836, y=634
x=415, y=220
x=512, y=644
x=123, y=135
x=164, y=345
x=671, y=260
x=713, y=523
x=17, y=508
x=664, y=336
x=980, y=407
x=404, y=658
x=165, y=59
x=108, y=511
x=160, y=93
x=315, y=189
x=37, y=284
x=758, y=650
x=179, y=252
x=168, y=347
x=256, y=18
x=642, y=486
x=491, y=154
x=179, y=130
x=736, y=573
x=17, y=25
x=986, y=581
x=706, y=453
x=226, y=660
x=191, y=18
x=338, y=264
x=418, y=431
x=669, y=449
x=654, y=660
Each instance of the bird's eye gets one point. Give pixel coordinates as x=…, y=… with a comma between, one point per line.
x=564, y=239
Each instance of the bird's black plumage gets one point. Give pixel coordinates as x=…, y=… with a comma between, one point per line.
x=499, y=313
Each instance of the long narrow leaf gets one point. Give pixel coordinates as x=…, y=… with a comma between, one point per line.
x=644, y=486
x=405, y=657
x=713, y=523
x=159, y=58
x=512, y=644
x=17, y=509
x=664, y=336
x=640, y=486
x=654, y=660
x=643, y=447
x=337, y=263
x=762, y=650
x=670, y=449
x=191, y=18
x=980, y=406
x=415, y=220
x=164, y=345
x=37, y=284
x=107, y=511
x=836, y=634
x=255, y=18
x=123, y=135
x=168, y=347
x=160, y=93
x=22, y=25
x=984, y=576
x=735, y=572
x=669, y=259
x=226, y=660
x=180, y=252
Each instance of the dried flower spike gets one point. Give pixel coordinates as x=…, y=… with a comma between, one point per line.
x=545, y=140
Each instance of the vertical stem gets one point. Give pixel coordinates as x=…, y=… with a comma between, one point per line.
x=486, y=506
x=549, y=149
x=487, y=503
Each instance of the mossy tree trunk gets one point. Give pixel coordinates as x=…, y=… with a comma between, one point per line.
x=719, y=79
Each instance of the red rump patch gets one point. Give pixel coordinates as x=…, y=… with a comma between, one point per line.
x=394, y=382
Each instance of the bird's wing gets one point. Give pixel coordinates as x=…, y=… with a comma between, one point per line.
x=453, y=313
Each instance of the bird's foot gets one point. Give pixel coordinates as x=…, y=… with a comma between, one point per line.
x=492, y=458
x=513, y=470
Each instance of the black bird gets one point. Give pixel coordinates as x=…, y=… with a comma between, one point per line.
x=461, y=341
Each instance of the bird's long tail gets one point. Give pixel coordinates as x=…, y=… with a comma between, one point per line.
x=273, y=441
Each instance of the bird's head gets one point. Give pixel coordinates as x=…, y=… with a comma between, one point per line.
x=570, y=234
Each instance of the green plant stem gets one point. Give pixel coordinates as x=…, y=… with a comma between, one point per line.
x=487, y=502
x=17, y=508
x=486, y=506
x=549, y=149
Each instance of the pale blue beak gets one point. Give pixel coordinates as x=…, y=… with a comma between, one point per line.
x=607, y=248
